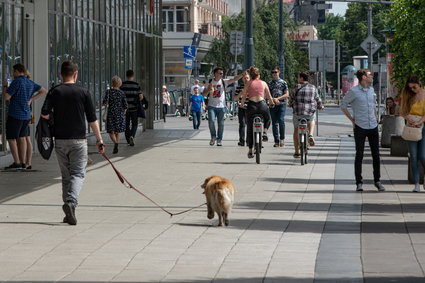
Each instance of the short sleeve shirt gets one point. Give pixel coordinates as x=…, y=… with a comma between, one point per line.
x=277, y=87
x=218, y=98
x=196, y=102
x=21, y=90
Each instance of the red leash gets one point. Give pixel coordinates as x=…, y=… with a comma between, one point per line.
x=127, y=184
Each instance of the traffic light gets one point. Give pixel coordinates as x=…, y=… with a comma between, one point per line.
x=343, y=52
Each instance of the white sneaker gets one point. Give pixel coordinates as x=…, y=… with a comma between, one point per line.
x=417, y=188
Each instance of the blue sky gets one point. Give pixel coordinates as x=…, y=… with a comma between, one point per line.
x=338, y=8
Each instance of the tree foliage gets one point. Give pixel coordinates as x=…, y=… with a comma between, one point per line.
x=265, y=34
x=409, y=40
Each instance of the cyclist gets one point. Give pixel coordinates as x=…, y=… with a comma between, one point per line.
x=304, y=101
x=255, y=91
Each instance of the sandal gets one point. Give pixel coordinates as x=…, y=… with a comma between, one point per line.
x=250, y=155
x=297, y=155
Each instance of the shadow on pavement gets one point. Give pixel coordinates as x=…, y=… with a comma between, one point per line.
x=15, y=184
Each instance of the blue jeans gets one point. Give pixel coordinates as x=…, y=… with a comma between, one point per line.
x=72, y=159
x=417, y=153
x=196, y=115
x=278, y=121
x=213, y=113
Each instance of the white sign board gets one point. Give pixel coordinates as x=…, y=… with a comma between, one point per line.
x=322, y=52
x=370, y=44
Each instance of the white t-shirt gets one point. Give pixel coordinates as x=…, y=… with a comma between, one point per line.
x=218, y=98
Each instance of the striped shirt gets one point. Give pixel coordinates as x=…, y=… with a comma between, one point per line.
x=305, y=99
x=21, y=90
x=131, y=90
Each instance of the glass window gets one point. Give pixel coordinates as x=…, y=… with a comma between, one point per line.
x=52, y=5
x=2, y=106
x=18, y=35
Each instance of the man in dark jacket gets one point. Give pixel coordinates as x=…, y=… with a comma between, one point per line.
x=133, y=94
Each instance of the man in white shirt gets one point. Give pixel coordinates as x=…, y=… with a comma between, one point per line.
x=196, y=84
x=216, y=91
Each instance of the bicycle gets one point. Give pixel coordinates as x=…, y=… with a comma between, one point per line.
x=303, y=134
x=257, y=131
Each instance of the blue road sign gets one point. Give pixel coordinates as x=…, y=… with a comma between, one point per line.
x=188, y=63
x=189, y=51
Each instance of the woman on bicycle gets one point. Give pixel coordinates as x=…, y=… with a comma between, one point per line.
x=255, y=91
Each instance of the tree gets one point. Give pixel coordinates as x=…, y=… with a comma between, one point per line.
x=265, y=34
x=408, y=41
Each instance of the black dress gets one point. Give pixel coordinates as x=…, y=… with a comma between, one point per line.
x=115, y=121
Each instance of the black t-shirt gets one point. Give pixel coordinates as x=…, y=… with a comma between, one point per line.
x=72, y=106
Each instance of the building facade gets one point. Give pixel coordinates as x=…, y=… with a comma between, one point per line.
x=189, y=22
x=104, y=37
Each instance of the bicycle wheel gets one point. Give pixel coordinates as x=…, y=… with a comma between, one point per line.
x=302, y=144
x=257, y=147
x=305, y=149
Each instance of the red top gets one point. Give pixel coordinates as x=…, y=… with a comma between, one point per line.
x=256, y=89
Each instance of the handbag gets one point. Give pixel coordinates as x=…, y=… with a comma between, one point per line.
x=44, y=136
x=140, y=110
x=105, y=111
x=412, y=133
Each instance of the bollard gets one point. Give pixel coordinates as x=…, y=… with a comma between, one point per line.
x=391, y=125
x=398, y=146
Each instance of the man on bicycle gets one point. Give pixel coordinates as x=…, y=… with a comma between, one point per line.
x=304, y=101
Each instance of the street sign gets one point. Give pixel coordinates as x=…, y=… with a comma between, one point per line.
x=236, y=37
x=322, y=52
x=189, y=51
x=370, y=44
x=236, y=49
x=188, y=63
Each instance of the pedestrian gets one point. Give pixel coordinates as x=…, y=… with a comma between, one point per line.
x=72, y=108
x=133, y=95
x=117, y=107
x=196, y=106
x=279, y=91
x=256, y=91
x=21, y=93
x=195, y=84
x=28, y=154
x=216, y=91
x=166, y=101
x=304, y=101
x=202, y=87
x=362, y=98
x=413, y=103
x=391, y=107
x=242, y=108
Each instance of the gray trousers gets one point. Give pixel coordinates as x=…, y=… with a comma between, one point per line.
x=72, y=159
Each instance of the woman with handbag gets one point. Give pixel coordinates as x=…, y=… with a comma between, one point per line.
x=117, y=105
x=413, y=111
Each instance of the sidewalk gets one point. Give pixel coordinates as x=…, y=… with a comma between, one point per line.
x=290, y=223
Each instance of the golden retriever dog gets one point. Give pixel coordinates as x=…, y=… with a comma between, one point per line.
x=219, y=193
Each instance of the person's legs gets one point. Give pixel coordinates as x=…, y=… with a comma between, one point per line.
x=311, y=127
x=77, y=169
x=274, y=113
x=127, y=127
x=359, y=138
x=28, y=155
x=413, y=147
x=198, y=118
x=165, y=111
x=249, y=124
x=295, y=135
x=281, y=121
x=421, y=149
x=194, y=120
x=13, y=129
x=211, y=121
x=220, y=122
x=62, y=149
x=373, y=137
x=22, y=149
x=242, y=125
x=112, y=137
x=134, y=123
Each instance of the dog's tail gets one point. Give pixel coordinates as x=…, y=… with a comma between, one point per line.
x=224, y=198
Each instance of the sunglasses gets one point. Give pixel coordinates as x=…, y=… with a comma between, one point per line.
x=220, y=73
x=275, y=72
